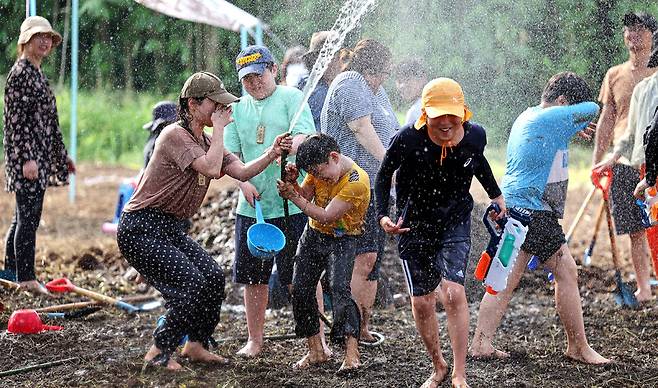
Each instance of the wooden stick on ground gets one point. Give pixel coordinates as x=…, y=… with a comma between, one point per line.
x=77, y=305
x=35, y=367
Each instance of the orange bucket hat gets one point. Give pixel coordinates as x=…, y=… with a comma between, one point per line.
x=442, y=96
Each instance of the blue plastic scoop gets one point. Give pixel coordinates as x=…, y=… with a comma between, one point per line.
x=264, y=240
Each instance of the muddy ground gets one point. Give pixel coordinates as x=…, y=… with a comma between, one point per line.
x=108, y=346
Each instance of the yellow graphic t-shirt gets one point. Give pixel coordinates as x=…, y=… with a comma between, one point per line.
x=353, y=187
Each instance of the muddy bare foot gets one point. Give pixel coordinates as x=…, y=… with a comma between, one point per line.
x=488, y=353
x=197, y=353
x=35, y=288
x=435, y=379
x=365, y=336
x=154, y=352
x=459, y=382
x=587, y=356
x=352, y=358
x=310, y=359
x=349, y=365
x=251, y=349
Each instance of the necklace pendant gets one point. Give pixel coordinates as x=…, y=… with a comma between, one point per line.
x=260, y=134
x=202, y=180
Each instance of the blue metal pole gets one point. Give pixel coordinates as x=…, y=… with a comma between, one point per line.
x=74, y=93
x=244, y=37
x=259, y=34
x=244, y=42
x=33, y=7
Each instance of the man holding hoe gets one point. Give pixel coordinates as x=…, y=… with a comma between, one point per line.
x=616, y=120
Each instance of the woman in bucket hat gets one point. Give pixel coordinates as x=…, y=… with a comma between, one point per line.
x=35, y=155
x=151, y=234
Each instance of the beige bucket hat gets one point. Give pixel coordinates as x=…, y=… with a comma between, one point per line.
x=37, y=24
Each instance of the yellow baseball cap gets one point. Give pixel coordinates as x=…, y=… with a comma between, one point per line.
x=442, y=96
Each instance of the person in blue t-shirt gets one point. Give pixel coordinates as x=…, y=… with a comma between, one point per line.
x=536, y=179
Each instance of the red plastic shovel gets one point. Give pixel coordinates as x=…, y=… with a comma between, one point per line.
x=65, y=285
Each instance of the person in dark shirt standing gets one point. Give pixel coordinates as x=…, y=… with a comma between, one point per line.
x=437, y=158
x=34, y=151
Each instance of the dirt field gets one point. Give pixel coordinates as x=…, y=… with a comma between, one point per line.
x=108, y=346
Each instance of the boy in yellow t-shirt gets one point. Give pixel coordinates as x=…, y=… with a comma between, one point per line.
x=335, y=196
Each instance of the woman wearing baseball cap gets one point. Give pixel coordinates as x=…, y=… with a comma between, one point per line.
x=35, y=155
x=151, y=233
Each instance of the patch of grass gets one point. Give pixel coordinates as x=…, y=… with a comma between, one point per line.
x=109, y=124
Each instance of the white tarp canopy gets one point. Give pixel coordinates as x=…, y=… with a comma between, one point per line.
x=218, y=13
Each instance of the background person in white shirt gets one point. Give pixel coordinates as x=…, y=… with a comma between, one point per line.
x=410, y=78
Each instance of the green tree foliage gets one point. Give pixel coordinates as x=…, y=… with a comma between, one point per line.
x=502, y=52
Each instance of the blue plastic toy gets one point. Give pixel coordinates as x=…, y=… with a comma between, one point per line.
x=264, y=240
x=126, y=190
x=534, y=263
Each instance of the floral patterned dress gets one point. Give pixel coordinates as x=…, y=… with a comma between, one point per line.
x=31, y=131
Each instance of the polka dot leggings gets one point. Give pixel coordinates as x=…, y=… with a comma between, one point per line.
x=190, y=280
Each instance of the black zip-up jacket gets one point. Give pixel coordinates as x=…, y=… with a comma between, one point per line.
x=431, y=190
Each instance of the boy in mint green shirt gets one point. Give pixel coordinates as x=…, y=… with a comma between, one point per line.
x=260, y=116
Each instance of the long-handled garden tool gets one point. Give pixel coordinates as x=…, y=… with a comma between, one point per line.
x=587, y=257
x=72, y=314
x=79, y=305
x=580, y=213
x=65, y=285
x=623, y=294
x=9, y=284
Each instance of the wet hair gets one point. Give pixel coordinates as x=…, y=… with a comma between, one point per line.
x=367, y=57
x=569, y=85
x=184, y=116
x=292, y=55
x=640, y=19
x=309, y=60
x=410, y=68
x=315, y=150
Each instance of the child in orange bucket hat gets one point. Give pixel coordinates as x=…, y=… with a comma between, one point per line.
x=437, y=158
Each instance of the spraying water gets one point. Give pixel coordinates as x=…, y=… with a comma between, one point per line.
x=348, y=18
